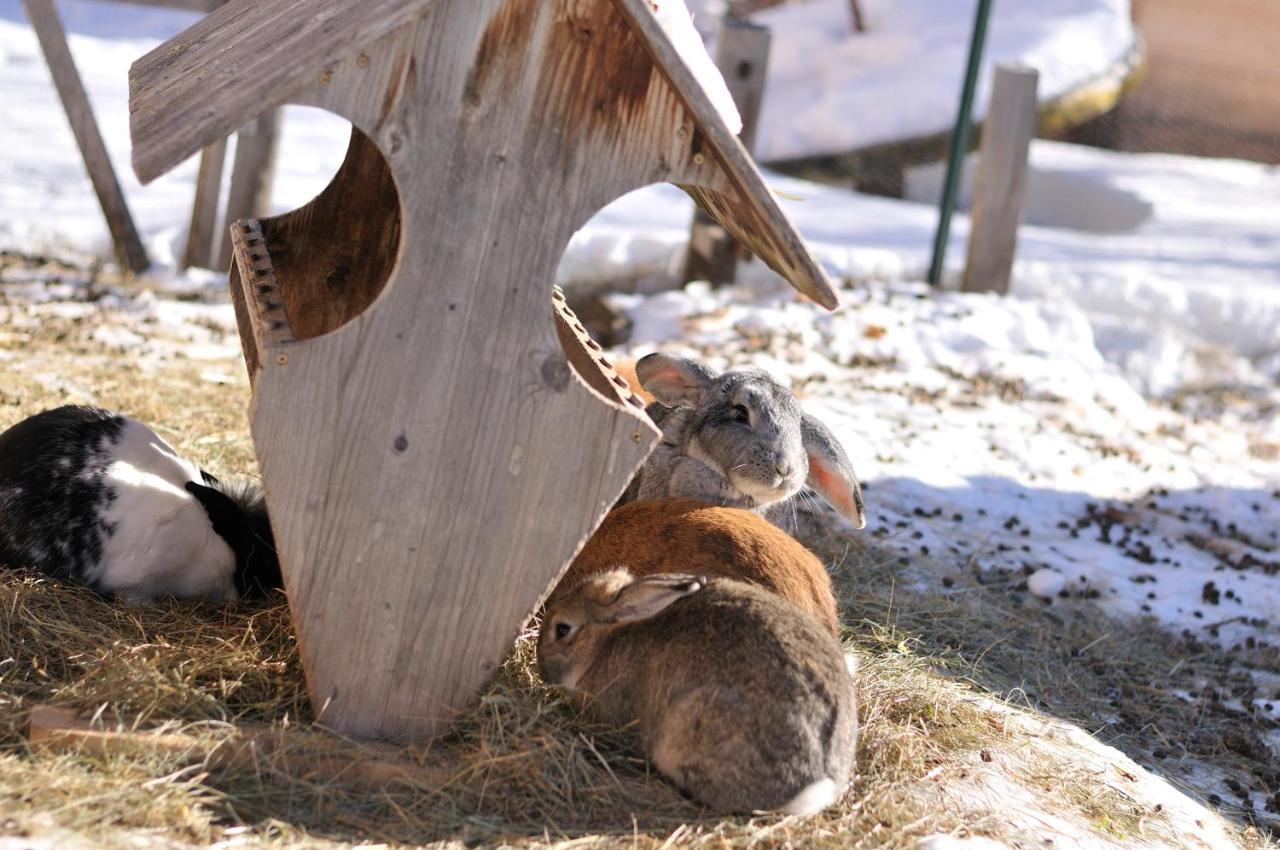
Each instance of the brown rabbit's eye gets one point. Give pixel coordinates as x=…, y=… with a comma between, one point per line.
x=740, y=414
x=562, y=630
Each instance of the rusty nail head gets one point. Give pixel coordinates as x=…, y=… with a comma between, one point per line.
x=326, y=78
x=282, y=359
x=699, y=158
x=362, y=60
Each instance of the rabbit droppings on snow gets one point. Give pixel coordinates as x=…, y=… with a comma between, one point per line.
x=740, y=698
x=691, y=536
x=738, y=439
x=99, y=498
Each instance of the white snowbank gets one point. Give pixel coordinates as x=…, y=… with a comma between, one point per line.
x=1175, y=260
x=832, y=90
x=992, y=434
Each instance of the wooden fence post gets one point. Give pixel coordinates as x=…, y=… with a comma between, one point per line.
x=1001, y=181
x=202, y=235
x=855, y=13
x=742, y=54
x=75, y=102
x=251, y=177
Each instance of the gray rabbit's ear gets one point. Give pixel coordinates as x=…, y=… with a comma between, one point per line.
x=674, y=380
x=830, y=472
x=649, y=596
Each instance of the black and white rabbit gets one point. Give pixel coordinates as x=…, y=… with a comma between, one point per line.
x=99, y=498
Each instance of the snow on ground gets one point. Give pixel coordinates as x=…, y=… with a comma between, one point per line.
x=992, y=434
x=1011, y=433
x=1172, y=257
x=1175, y=260
x=832, y=90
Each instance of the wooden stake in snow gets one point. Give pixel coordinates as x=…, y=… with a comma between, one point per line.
x=855, y=13
x=1001, y=182
x=742, y=54
x=432, y=461
x=251, y=177
x=75, y=102
x=202, y=235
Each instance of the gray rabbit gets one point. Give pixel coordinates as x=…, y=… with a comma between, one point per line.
x=738, y=439
x=740, y=698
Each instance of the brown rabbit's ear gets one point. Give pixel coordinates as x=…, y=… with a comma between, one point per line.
x=648, y=596
x=830, y=472
x=674, y=380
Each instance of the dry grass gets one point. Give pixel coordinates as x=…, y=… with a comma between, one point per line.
x=522, y=767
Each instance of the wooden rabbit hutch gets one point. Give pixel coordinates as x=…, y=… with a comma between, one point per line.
x=432, y=463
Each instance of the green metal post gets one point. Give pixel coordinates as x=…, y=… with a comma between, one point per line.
x=959, y=143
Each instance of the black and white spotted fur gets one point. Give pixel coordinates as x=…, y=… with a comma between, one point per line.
x=99, y=498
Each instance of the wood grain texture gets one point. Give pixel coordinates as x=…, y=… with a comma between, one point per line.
x=187, y=5
x=252, y=174
x=1001, y=182
x=746, y=207
x=202, y=234
x=75, y=102
x=333, y=256
x=587, y=358
x=432, y=463
x=242, y=59
x=742, y=55
x=215, y=76
x=255, y=294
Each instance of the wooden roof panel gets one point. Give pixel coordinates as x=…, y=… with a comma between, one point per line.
x=239, y=61
x=750, y=212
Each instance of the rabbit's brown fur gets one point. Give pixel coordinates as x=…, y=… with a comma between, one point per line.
x=738, y=696
x=691, y=536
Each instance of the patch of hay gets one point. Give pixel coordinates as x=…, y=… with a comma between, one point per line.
x=522, y=767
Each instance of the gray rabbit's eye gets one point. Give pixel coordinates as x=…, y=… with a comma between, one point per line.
x=739, y=413
x=562, y=630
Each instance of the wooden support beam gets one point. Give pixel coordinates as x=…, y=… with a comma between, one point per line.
x=742, y=54
x=202, y=235
x=251, y=176
x=1001, y=181
x=75, y=102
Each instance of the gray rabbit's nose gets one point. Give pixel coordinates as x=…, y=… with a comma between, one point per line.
x=783, y=469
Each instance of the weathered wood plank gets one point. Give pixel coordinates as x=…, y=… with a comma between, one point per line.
x=431, y=460
x=252, y=173
x=226, y=69
x=202, y=234
x=333, y=256
x=75, y=102
x=182, y=5
x=742, y=55
x=449, y=434
x=1001, y=182
x=746, y=208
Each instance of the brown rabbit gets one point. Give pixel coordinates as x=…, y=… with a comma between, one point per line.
x=691, y=536
x=739, y=697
